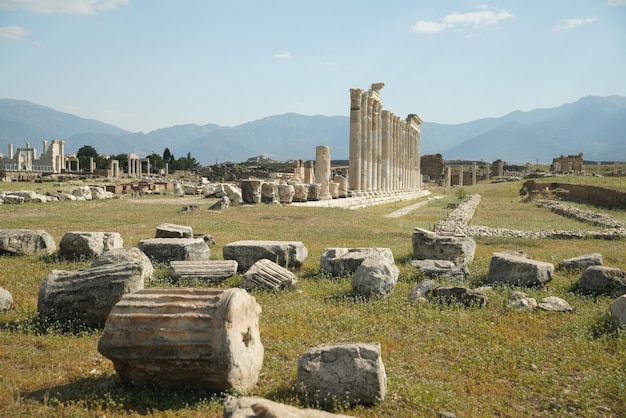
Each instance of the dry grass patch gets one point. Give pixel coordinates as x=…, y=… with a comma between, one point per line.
x=473, y=362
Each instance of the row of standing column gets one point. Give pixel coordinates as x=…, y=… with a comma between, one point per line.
x=384, y=149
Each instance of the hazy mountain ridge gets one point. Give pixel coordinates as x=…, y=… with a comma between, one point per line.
x=593, y=125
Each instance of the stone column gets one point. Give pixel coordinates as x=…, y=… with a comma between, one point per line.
x=44, y=147
x=309, y=172
x=460, y=175
x=322, y=170
x=500, y=168
x=92, y=165
x=364, y=141
x=448, y=176
x=355, y=139
x=488, y=171
x=10, y=151
x=376, y=131
x=474, y=168
x=384, y=155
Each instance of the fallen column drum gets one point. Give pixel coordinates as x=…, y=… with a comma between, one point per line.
x=192, y=338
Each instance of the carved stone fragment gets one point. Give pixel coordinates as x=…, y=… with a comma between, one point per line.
x=267, y=275
x=213, y=271
x=204, y=339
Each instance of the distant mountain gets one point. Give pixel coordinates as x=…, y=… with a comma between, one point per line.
x=593, y=125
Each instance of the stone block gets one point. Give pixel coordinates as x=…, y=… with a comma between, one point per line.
x=375, y=277
x=286, y=193
x=352, y=373
x=427, y=245
x=210, y=271
x=315, y=190
x=269, y=191
x=617, y=310
x=251, y=407
x=267, y=275
x=251, y=191
x=288, y=254
x=188, y=338
x=441, y=269
x=26, y=242
x=76, y=244
x=581, y=262
x=6, y=300
x=164, y=250
x=345, y=261
x=87, y=296
x=301, y=192
x=603, y=280
x=167, y=230
x=519, y=270
x=123, y=255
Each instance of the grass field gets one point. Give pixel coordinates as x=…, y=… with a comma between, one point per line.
x=472, y=362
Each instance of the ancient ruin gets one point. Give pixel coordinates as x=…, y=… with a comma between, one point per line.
x=384, y=149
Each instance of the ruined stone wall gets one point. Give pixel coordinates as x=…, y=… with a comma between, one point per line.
x=433, y=166
x=567, y=163
x=596, y=195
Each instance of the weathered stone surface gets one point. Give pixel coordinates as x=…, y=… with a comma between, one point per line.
x=421, y=290
x=253, y=407
x=269, y=191
x=288, y=254
x=429, y=245
x=519, y=270
x=555, y=304
x=98, y=193
x=26, y=242
x=315, y=190
x=352, y=373
x=345, y=261
x=122, y=255
x=520, y=302
x=233, y=193
x=285, y=193
x=6, y=300
x=223, y=203
x=205, y=339
x=375, y=277
x=461, y=295
x=441, y=269
x=82, y=193
x=581, y=262
x=29, y=196
x=251, y=191
x=618, y=311
x=168, y=249
x=168, y=230
x=301, y=192
x=13, y=200
x=604, y=280
x=88, y=295
x=213, y=271
x=267, y=275
x=76, y=244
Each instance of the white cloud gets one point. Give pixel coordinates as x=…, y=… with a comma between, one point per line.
x=616, y=2
x=575, y=23
x=477, y=18
x=429, y=27
x=12, y=33
x=472, y=19
x=283, y=55
x=81, y=7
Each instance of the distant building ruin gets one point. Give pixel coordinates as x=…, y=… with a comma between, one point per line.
x=568, y=164
x=51, y=160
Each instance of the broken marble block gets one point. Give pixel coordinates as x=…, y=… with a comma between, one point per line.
x=206, y=339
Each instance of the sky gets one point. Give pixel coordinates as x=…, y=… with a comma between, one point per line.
x=142, y=65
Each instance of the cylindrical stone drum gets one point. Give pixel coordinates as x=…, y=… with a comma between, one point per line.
x=185, y=337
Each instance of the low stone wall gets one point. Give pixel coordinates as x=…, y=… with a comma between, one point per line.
x=458, y=223
x=600, y=196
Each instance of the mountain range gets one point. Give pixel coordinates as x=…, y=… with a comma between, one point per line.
x=593, y=125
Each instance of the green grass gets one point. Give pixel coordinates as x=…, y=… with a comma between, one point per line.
x=473, y=362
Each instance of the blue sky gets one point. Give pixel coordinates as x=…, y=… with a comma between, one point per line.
x=148, y=64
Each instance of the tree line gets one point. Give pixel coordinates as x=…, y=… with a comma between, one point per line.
x=157, y=162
